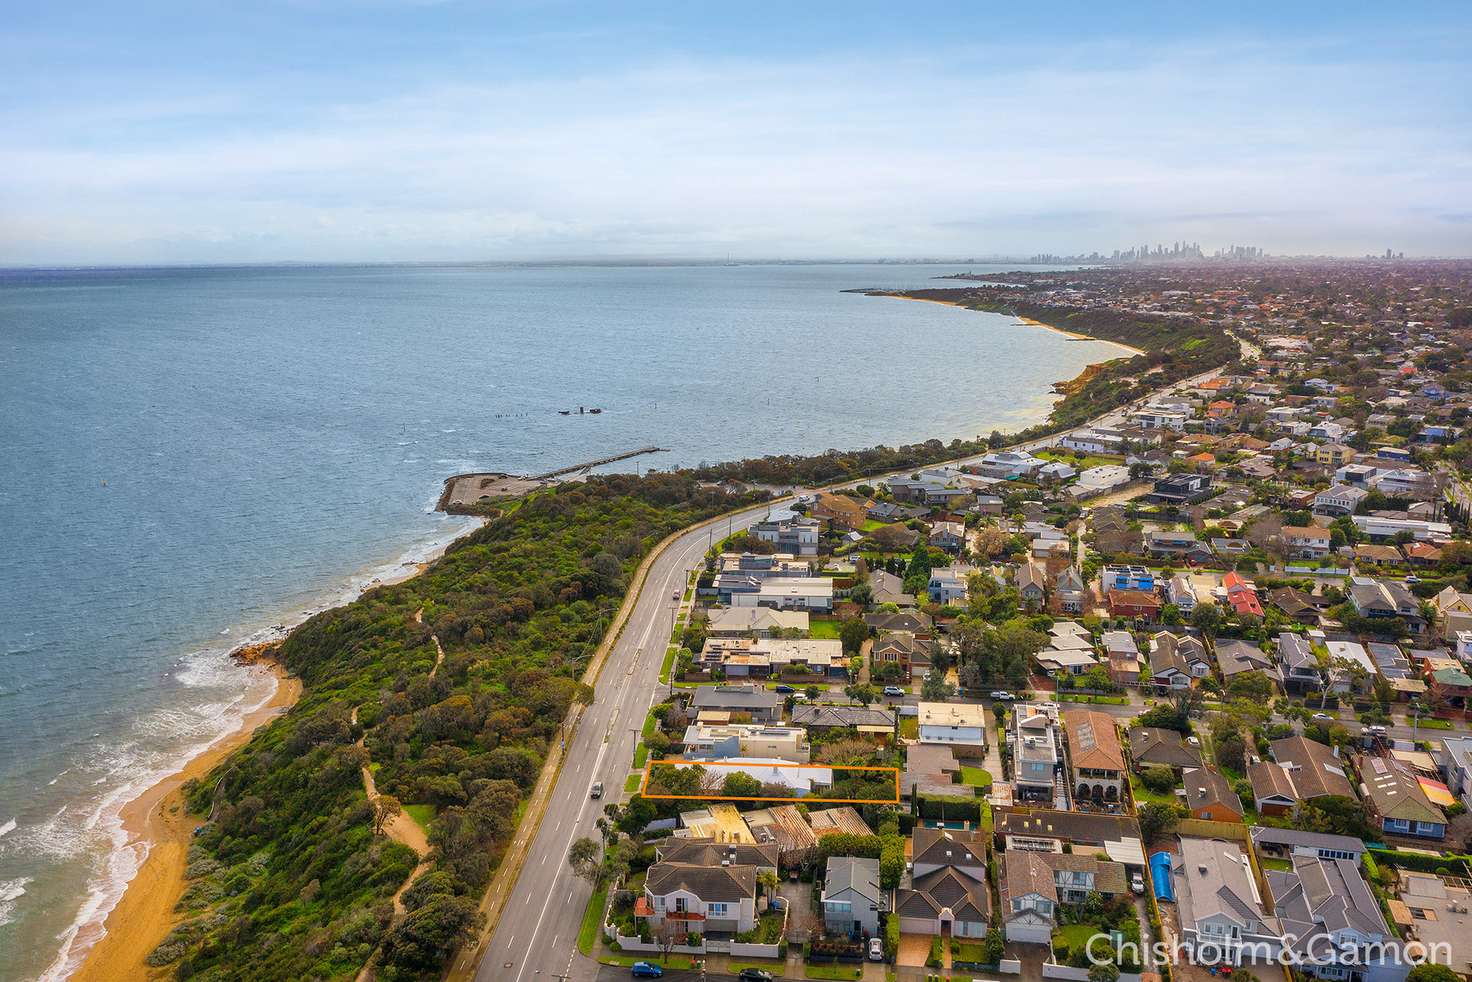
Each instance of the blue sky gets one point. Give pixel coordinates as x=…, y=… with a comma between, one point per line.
x=322, y=130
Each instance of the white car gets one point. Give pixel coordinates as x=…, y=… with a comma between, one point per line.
x=1322, y=718
x=1003, y=696
x=893, y=690
x=876, y=950
x=1137, y=883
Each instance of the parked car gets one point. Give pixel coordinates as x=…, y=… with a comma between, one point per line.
x=646, y=970
x=1322, y=718
x=893, y=690
x=754, y=975
x=596, y=791
x=876, y=950
x=1003, y=696
x=1137, y=883
x=783, y=688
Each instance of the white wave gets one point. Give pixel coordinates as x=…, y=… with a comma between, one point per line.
x=7, y=828
x=10, y=892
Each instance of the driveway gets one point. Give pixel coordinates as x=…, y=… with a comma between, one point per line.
x=914, y=949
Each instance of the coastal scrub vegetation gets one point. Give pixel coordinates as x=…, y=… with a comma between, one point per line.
x=1173, y=348
x=288, y=875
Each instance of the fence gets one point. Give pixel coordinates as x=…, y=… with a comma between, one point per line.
x=1071, y=974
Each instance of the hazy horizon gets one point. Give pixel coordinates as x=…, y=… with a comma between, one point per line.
x=349, y=131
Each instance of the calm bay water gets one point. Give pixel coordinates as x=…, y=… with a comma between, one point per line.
x=188, y=457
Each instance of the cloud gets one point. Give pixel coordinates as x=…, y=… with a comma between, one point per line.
x=970, y=148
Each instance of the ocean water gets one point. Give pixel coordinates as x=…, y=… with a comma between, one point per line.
x=191, y=457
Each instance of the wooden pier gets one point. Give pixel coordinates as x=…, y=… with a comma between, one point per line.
x=464, y=491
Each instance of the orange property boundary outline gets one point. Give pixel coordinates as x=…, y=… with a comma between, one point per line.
x=809, y=799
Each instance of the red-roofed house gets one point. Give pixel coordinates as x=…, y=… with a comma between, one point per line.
x=1242, y=595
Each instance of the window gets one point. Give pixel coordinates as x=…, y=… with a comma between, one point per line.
x=716, y=910
x=1397, y=825
x=838, y=906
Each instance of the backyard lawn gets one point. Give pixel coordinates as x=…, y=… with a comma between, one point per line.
x=976, y=777
x=1073, y=937
x=827, y=628
x=1144, y=795
x=910, y=727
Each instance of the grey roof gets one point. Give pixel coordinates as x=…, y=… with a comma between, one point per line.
x=852, y=873
x=1213, y=879
x=1205, y=787
x=1236, y=657
x=740, y=697
x=1322, y=897
x=821, y=714
x=722, y=884
x=967, y=898
x=1294, y=651
x=1270, y=836
x=1314, y=768
x=705, y=851
x=1154, y=745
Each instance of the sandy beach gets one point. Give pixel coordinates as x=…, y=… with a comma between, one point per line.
x=157, y=821
x=1074, y=335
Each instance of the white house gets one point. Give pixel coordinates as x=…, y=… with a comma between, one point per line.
x=955, y=725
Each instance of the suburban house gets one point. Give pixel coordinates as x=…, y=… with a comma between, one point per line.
x=699, y=898
x=962, y=727
x=1287, y=843
x=1396, y=801
x=1153, y=746
x=759, y=704
x=1135, y=604
x=1128, y=578
x=1218, y=903
x=1032, y=584
x=1123, y=656
x=798, y=536
x=932, y=770
x=1176, y=660
x=1341, y=499
x=948, y=584
x=1094, y=754
x=1302, y=770
x=1332, y=919
x=1069, y=593
x=1035, y=883
x=1455, y=761
x=901, y=648
x=950, y=536
x=1180, y=489
x=1035, y=751
x=947, y=886
x=825, y=716
x=1305, y=541
x=1242, y=595
x=914, y=621
x=1172, y=543
x=712, y=741
x=886, y=588
x=1209, y=795
x=1384, y=599
x=1234, y=656
x=852, y=899
x=1299, y=666
x=1180, y=592
x=730, y=622
x=790, y=593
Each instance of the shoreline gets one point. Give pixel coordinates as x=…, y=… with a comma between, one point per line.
x=160, y=827
x=1071, y=335
x=155, y=822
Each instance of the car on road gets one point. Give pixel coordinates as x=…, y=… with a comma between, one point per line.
x=1322, y=718
x=784, y=688
x=1137, y=883
x=1003, y=696
x=1413, y=579
x=876, y=950
x=754, y=975
x=646, y=970
x=893, y=690
x=801, y=697
x=596, y=791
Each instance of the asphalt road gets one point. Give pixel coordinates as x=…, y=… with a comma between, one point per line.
x=537, y=933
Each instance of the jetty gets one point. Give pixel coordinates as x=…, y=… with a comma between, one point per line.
x=462, y=492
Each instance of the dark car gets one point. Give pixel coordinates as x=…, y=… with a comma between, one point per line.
x=754, y=975
x=784, y=688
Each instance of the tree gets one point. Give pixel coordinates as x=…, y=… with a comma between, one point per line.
x=1104, y=972
x=1158, y=778
x=853, y=633
x=1157, y=820
x=1432, y=972
x=993, y=947
x=386, y=808
x=585, y=856
x=936, y=688
x=861, y=692
x=1207, y=618
x=739, y=784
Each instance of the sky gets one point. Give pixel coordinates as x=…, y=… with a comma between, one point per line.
x=391, y=130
